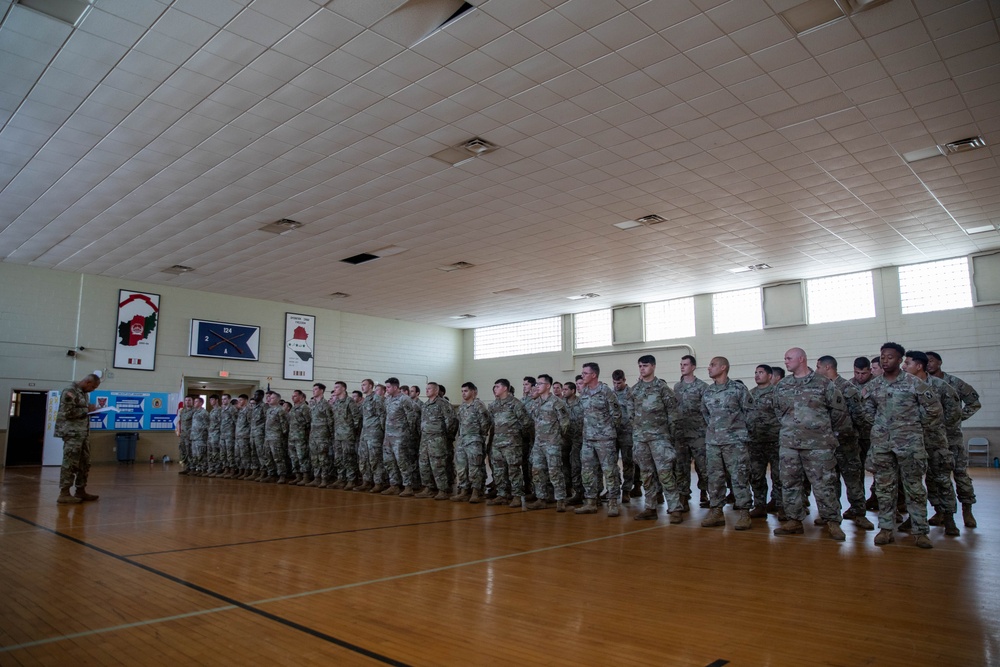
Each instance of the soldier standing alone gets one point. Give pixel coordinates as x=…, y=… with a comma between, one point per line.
x=73, y=426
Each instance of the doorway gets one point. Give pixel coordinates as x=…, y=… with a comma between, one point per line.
x=26, y=433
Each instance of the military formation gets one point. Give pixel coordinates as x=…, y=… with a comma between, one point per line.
x=584, y=444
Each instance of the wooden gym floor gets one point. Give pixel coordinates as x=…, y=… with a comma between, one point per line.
x=173, y=570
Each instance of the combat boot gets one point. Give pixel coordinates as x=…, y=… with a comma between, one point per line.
x=441, y=495
x=850, y=514
x=950, y=528
x=589, y=507
x=884, y=537
x=970, y=521
x=714, y=519
x=393, y=490
x=819, y=521
x=872, y=504
x=790, y=527
x=314, y=481
x=676, y=517
x=461, y=496
x=517, y=501
x=923, y=542
x=560, y=506
x=758, y=512
x=863, y=522
x=81, y=493
x=537, y=504
x=364, y=488
x=743, y=522
x=66, y=499
x=337, y=484
x=407, y=492
x=906, y=526
x=476, y=497
x=836, y=532
x=270, y=479
x=282, y=479
x=636, y=492
x=625, y=498
x=575, y=499
x=499, y=500
x=935, y=520
x=351, y=485
x=702, y=502
x=426, y=492
x=648, y=514
x=303, y=479
x=613, y=508
x=685, y=507
x=378, y=488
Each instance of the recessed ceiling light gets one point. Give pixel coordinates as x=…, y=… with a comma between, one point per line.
x=740, y=269
x=980, y=230
x=811, y=14
x=588, y=295
x=67, y=11
x=512, y=290
x=923, y=153
x=282, y=226
x=466, y=316
x=644, y=221
x=360, y=258
x=339, y=295
x=178, y=269
x=628, y=224
x=456, y=266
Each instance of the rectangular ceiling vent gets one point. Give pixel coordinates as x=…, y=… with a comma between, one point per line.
x=360, y=258
x=649, y=220
x=465, y=151
x=339, y=295
x=466, y=316
x=963, y=145
x=67, y=11
x=282, y=226
x=457, y=266
x=178, y=269
x=587, y=295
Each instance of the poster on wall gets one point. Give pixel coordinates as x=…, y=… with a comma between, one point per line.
x=135, y=340
x=300, y=339
x=224, y=340
x=132, y=411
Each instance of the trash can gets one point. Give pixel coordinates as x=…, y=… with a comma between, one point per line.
x=125, y=446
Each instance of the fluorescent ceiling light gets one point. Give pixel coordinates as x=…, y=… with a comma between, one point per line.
x=980, y=230
x=628, y=224
x=588, y=295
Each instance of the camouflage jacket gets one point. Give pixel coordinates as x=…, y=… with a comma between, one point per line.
x=627, y=404
x=215, y=425
x=227, y=425
x=762, y=423
x=601, y=413
x=899, y=410
x=725, y=407
x=320, y=421
x=474, y=421
x=276, y=424
x=437, y=419
x=258, y=421
x=299, y=421
x=863, y=427
x=510, y=422
x=551, y=420
x=808, y=407
x=950, y=423
x=185, y=419
x=655, y=409
x=848, y=428
x=400, y=416
x=575, y=432
x=346, y=419
x=243, y=417
x=199, y=425
x=689, y=422
x=968, y=395
x=73, y=419
x=373, y=415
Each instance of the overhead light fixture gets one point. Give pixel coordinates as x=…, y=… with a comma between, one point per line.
x=923, y=154
x=963, y=145
x=980, y=230
x=644, y=221
x=457, y=266
x=360, y=258
x=811, y=14
x=751, y=267
x=282, y=226
x=466, y=316
x=588, y=295
x=465, y=151
x=67, y=11
x=628, y=224
x=339, y=295
x=178, y=269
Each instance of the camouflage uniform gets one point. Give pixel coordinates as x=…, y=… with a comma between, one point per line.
x=689, y=435
x=848, y=452
x=725, y=407
x=956, y=443
x=199, y=439
x=215, y=439
x=474, y=424
x=599, y=454
x=372, y=436
x=655, y=408
x=571, y=458
x=510, y=428
x=526, y=460
x=413, y=443
x=73, y=426
x=184, y=445
x=399, y=418
x=276, y=439
x=864, y=429
x=227, y=436
x=244, y=460
x=320, y=437
x=808, y=407
x=299, y=421
x=551, y=420
x=940, y=460
x=624, y=440
x=347, y=426
x=764, y=427
x=437, y=421
x=258, y=422
x=899, y=411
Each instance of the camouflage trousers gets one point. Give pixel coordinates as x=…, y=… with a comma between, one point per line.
x=572, y=467
x=278, y=447
x=940, y=490
x=762, y=455
x=905, y=465
x=852, y=470
x=627, y=452
x=347, y=460
x=470, y=464
x=242, y=452
x=184, y=450
x=600, y=458
x=75, y=462
x=689, y=449
x=963, y=483
x=818, y=467
x=397, y=461
x=228, y=446
x=656, y=459
x=265, y=460
x=298, y=451
x=547, y=468
x=730, y=460
x=864, y=444
x=214, y=454
x=432, y=458
x=370, y=457
x=505, y=459
x=319, y=455
x=198, y=458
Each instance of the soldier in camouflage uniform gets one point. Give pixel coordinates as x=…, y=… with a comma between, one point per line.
x=258, y=422
x=400, y=416
x=227, y=436
x=243, y=459
x=624, y=395
x=689, y=431
x=437, y=420
x=527, y=397
x=724, y=405
x=347, y=427
x=299, y=420
x=510, y=427
x=320, y=438
x=73, y=426
x=184, y=431
x=763, y=427
x=214, y=462
x=655, y=408
x=573, y=445
x=474, y=425
x=849, y=462
x=372, y=435
x=863, y=375
x=551, y=420
x=809, y=407
x=414, y=439
x=601, y=417
x=940, y=460
x=900, y=407
x=956, y=443
x=199, y=437
x=276, y=439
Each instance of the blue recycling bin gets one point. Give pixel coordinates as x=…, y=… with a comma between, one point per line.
x=125, y=446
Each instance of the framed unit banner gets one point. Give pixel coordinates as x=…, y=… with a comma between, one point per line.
x=224, y=341
x=300, y=337
x=135, y=342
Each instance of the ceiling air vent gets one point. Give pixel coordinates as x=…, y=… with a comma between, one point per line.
x=587, y=295
x=457, y=266
x=282, y=226
x=360, y=258
x=178, y=269
x=465, y=151
x=644, y=221
x=962, y=145
x=339, y=295
x=466, y=316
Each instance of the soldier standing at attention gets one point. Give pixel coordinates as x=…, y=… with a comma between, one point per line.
x=808, y=406
x=778, y=374
x=73, y=426
x=276, y=439
x=764, y=427
x=655, y=408
x=689, y=431
x=899, y=406
x=551, y=419
x=850, y=465
x=599, y=454
x=863, y=375
x=227, y=436
x=346, y=427
x=414, y=440
x=372, y=435
x=399, y=418
x=510, y=426
x=298, y=437
x=527, y=396
x=572, y=445
x=184, y=428
x=214, y=461
x=199, y=437
x=242, y=434
x=258, y=422
x=970, y=406
x=624, y=436
x=320, y=438
x=724, y=405
x=437, y=420
x=474, y=425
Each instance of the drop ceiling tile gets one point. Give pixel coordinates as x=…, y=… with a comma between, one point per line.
x=692, y=33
